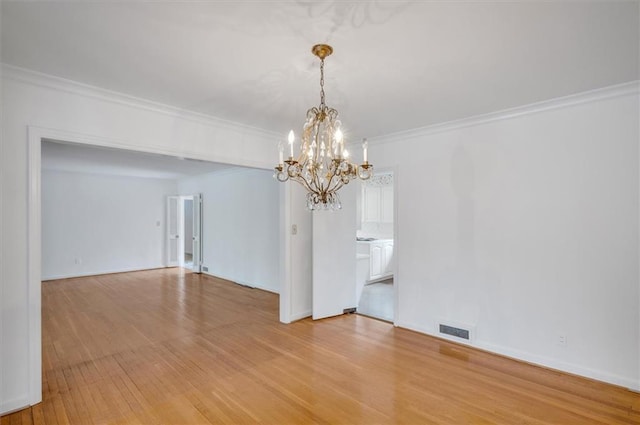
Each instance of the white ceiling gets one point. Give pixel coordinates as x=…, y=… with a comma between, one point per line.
x=60, y=156
x=397, y=65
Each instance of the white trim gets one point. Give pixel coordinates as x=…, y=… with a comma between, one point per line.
x=34, y=272
x=243, y=283
x=637, y=384
x=39, y=79
x=2, y=404
x=35, y=135
x=286, y=287
x=10, y=406
x=396, y=246
x=35, y=78
x=395, y=171
x=543, y=361
x=299, y=316
x=233, y=170
x=93, y=140
x=103, y=272
x=560, y=366
x=618, y=90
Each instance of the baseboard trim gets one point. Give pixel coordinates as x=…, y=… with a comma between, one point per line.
x=14, y=405
x=98, y=273
x=243, y=283
x=534, y=359
x=299, y=316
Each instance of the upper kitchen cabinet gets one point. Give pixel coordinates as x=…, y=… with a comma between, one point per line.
x=377, y=197
x=371, y=197
x=386, y=204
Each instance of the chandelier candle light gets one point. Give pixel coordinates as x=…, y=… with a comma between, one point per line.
x=322, y=165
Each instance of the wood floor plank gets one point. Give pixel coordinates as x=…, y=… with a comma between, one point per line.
x=165, y=346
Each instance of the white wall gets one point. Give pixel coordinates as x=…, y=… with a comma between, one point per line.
x=188, y=226
x=241, y=228
x=50, y=107
x=85, y=216
x=525, y=226
x=296, y=251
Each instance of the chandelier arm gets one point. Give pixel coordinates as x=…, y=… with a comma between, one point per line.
x=279, y=178
x=317, y=182
x=338, y=184
x=333, y=173
x=333, y=184
x=313, y=177
x=304, y=183
x=290, y=170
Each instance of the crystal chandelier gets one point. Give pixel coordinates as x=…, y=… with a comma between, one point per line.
x=322, y=165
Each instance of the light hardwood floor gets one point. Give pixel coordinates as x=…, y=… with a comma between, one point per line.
x=166, y=347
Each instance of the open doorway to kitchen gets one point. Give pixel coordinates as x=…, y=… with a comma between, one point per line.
x=375, y=248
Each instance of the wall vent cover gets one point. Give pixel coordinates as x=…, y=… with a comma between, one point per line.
x=453, y=331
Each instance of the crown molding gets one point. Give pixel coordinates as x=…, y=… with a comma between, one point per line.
x=610, y=92
x=48, y=81
x=35, y=78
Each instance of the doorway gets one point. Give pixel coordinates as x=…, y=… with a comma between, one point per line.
x=187, y=259
x=184, y=232
x=375, y=258
x=36, y=136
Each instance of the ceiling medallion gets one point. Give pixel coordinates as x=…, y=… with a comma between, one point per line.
x=322, y=165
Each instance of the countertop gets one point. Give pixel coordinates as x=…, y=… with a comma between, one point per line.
x=376, y=240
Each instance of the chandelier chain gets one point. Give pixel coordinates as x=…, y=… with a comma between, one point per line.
x=322, y=82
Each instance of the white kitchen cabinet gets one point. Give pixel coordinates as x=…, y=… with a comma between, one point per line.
x=377, y=204
x=376, y=261
x=386, y=204
x=371, y=204
x=380, y=254
x=387, y=255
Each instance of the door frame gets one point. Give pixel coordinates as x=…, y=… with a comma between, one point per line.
x=395, y=171
x=168, y=239
x=182, y=236
x=35, y=136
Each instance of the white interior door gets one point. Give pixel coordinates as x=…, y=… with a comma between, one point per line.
x=173, y=230
x=197, y=233
x=334, y=257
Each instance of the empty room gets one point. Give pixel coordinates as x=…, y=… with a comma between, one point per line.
x=336, y=212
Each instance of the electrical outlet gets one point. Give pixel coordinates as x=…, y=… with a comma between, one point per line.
x=294, y=229
x=205, y=268
x=78, y=261
x=562, y=340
